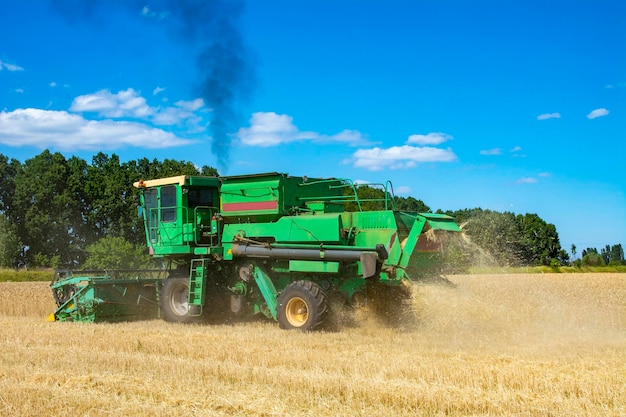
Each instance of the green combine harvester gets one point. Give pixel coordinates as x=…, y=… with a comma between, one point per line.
x=269, y=244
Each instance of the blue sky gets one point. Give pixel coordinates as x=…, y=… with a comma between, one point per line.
x=505, y=105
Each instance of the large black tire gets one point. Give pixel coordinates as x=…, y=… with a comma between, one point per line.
x=303, y=306
x=174, y=300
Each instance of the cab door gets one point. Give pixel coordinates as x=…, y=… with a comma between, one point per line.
x=170, y=221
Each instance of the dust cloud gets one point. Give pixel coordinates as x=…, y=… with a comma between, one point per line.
x=520, y=311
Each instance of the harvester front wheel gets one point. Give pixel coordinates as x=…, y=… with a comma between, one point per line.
x=175, y=300
x=302, y=305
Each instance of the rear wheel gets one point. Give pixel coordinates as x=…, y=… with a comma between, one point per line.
x=175, y=300
x=302, y=305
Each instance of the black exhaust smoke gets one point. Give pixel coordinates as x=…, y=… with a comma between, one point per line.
x=226, y=76
x=224, y=63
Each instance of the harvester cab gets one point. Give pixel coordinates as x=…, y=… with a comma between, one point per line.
x=181, y=215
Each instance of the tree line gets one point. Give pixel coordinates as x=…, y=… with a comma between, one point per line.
x=609, y=255
x=57, y=212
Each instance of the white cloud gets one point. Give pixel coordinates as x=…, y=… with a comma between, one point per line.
x=526, y=180
x=515, y=151
x=403, y=189
x=52, y=84
x=10, y=67
x=183, y=111
x=405, y=156
x=130, y=104
x=147, y=12
x=158, y=90
x=168, y=116
x=19, y=90
x=272, y=129
x=433, y=138
x=269, y=129
x=126, y=103
x=533, y=180
x=400, y=157
x=175, y=116
x=192, y=105
x=346, y=136
x=546, y=116
x=66, y=131
x=597, y=113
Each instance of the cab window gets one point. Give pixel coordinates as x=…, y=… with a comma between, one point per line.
x=200, y=197
x=168, y=204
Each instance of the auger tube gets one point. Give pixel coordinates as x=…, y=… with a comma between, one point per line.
x=322, y=254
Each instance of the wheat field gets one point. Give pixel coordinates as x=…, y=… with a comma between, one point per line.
x=491, y=345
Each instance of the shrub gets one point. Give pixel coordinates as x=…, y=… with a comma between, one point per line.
x=117, y=253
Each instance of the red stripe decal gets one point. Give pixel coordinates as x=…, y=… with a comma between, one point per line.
x=257, y=205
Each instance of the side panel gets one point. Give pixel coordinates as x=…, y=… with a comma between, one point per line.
x=322, y=228
x=324, y=267
x=267, y=197
x=253, y=199
x=374, y=227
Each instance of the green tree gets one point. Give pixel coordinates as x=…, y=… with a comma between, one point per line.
x=78, y=230
x=209, y=171
x=117, y=253
x=606, y=254
x=613, y=255
x=47, y=215
x=498, y=234
x=593, y=258
x=617, y=254
x=370, y=198
x=410, y=204
x=540, y=241
x=8, y=172
x=512, y=239
x=588, y=251
x=144, y=169
x=110, y=205
x=172, y=168
x=10, y=245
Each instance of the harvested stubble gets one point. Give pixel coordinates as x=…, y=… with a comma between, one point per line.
x=495, y=345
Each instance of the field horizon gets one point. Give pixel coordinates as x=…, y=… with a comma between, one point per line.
x=486, y=345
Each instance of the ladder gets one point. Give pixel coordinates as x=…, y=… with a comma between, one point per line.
x=197, y=283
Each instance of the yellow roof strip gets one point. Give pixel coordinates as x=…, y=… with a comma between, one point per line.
x=180, y=180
